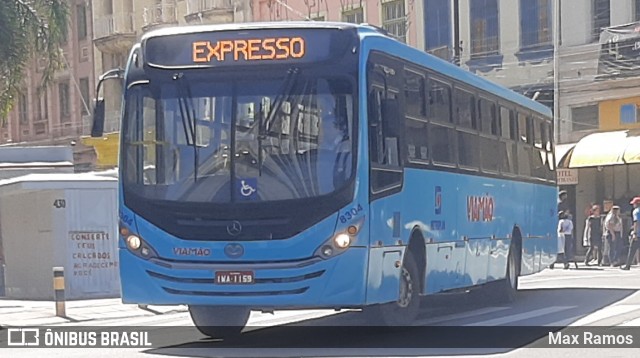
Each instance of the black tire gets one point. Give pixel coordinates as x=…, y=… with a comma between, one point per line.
x=219, y=321
x=508, y=288
x=405, y=310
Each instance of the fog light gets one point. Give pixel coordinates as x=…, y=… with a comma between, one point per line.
x=342, y=241
x=133, y=242
x=327, y=251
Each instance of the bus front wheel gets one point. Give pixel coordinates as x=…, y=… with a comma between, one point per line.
x=405, y=310
x=219, y=321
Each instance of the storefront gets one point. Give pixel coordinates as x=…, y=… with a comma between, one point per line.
x=604, y=169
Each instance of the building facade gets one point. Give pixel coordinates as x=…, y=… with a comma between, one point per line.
x=513, y=42
x=59, y=113
x=398, y=17
x=506, y=41
x=119, y=24
x=589, y=101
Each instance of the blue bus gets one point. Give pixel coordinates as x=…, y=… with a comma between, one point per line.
x=271, y=166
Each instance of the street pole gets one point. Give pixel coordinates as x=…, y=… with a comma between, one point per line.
x=456, y=33
x=556, y=71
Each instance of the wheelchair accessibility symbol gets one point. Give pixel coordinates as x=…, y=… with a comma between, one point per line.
x=246, y=189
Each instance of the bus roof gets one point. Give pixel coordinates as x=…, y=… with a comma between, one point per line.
x=177, y=30
x=368, y=31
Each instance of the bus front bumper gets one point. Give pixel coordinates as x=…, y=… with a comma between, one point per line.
x=338, y=282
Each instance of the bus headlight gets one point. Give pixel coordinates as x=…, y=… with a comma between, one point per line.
x=133, y=242
x=342, y=241
x=336, y=245
x=139, y=247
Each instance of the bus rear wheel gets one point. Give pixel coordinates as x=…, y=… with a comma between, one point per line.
x=219, y=321
x=509, y=286
x=403, y=311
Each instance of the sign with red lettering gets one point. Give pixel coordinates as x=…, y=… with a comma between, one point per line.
x=480, y=208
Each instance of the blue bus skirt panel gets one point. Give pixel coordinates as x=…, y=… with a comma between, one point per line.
x=333, y=283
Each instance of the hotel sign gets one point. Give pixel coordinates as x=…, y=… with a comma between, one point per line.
x=567, y=176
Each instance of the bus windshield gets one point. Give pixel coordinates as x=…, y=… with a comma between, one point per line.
x=233, y=141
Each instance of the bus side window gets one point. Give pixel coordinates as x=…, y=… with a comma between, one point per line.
x=385, y=128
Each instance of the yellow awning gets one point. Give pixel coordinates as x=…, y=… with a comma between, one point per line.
x=603, y=149
x=561, y=151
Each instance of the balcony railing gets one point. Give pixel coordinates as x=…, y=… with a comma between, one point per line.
x=111, y=25
x=196, y=6
x=159, y=14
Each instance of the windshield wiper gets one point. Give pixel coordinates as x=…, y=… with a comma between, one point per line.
x=188, y=115
x=283, y=93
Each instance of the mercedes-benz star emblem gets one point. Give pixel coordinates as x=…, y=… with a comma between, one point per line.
x=234, y=250
x=235, y=228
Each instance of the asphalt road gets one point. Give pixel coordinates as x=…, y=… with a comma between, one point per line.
x=587, y=297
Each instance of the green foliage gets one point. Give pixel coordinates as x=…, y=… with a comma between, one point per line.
x=29, y=29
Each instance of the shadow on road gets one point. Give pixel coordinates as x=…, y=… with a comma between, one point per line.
x=448, y=325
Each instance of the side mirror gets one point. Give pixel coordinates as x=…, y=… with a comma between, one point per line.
x=390, y=117
x=97, y=129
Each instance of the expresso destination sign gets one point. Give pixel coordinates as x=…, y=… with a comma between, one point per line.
x=280, y=48
x=234, y=48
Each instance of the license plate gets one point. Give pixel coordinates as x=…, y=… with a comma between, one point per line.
x=234, y=277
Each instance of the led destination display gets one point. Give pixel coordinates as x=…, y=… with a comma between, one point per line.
x=232, y=48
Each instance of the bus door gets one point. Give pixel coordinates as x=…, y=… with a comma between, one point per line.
x=385, y=178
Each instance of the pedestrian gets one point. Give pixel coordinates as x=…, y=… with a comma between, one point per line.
x=565, y=225
x=563, y=205
x=613, y=237
x=565, y=228
x=634, y=244
x=593, y=236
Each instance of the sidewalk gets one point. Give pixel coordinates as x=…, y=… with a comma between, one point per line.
x=36, y=313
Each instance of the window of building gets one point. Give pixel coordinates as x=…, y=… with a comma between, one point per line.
x=41, y=108
x=584, y=118
x=45, y=104
x=23, y=109
x=84, y=92
x=628, y=113
x=535, y=23
x=437, y=15
x=81, y=19
x=64, y=101
x=485, y=28
x=636, y=10
x=108, y=7
x=394, y=19
x=601, y=17
x=354, y=16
